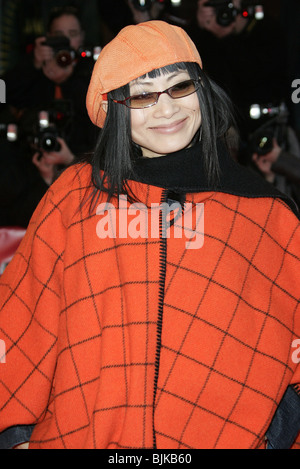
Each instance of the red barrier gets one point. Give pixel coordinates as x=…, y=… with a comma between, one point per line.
x=10, y=238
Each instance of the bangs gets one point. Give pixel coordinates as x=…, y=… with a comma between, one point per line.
x=192, y=68
x=179, y=66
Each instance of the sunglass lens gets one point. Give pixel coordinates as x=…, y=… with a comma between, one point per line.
x=183, y=89
x=143, y=100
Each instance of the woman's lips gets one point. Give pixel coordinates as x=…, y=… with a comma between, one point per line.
x=170, y=128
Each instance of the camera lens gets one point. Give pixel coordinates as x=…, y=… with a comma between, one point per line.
x=226, y=16
x=142, y=5
x=49, y=143
x=64, y=58
x=263, y=142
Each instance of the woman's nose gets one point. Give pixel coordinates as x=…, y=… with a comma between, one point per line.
x=165, y=106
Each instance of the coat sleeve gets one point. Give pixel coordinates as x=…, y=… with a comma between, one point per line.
x=15, y=436
x=283, y=432
x=30, y=303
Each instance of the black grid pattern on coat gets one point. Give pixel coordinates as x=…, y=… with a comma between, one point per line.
x=47, y=288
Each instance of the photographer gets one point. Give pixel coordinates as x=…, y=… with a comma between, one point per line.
x=39, y=83
x=281, y=168
x=207, y=19
x=244, y=55
x=129, y=12
x=147, y=13
x=44, y=80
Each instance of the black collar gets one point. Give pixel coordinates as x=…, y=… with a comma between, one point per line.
x=184, y=172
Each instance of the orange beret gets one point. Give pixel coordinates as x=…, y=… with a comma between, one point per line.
x=135, y=51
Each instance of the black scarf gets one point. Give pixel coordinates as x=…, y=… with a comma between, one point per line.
x=183, y=171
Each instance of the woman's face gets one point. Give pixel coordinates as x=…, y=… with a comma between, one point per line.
x=169, y=125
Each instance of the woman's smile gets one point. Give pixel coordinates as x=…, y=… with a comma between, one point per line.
x=170, y=128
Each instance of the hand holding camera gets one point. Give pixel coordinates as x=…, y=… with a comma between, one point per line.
x=56, y=73
x=224, y=17
x=55, y=57
x=145, y=10
x=207, y=19
x=47, y=162
x=42, y=53
x=264, y=162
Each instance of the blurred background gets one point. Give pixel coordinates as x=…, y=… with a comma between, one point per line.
x=23, y=20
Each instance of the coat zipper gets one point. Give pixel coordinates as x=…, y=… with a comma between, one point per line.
x=162, y=278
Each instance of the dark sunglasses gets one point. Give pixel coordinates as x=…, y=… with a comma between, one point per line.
x=180, y=90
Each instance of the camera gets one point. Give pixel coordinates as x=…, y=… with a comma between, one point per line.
x=275, y=119
x=39, y=129
x=262, y=142
x=65, y=55
x=144, y=5
x=226, y=12
x=51, y=124
x=45, y=137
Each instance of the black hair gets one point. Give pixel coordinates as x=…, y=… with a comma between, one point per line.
x=58, y=12
x=115, y=151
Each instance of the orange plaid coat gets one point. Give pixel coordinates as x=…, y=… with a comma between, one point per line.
x=124, y=342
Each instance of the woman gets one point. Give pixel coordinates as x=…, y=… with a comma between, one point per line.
x=152, y=303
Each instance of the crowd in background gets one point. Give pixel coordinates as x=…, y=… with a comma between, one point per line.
x=255, y=61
